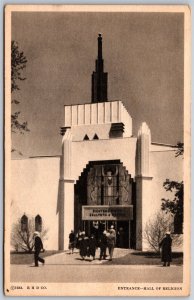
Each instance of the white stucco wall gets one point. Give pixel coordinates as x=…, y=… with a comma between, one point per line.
x=35, y=191
x=163, y=165
x=79, y=132
x=111, y=149
x=35, y=181
x=91, y=118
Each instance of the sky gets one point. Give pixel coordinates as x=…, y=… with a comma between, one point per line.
x=143, y=55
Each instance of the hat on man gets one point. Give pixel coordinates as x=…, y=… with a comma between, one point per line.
x=168, y=232
x=36, y=233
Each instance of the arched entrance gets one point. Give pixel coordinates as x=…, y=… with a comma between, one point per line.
x=104, y=196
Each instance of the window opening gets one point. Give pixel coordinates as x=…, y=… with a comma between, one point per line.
x=38, y=223
x=86, y=138
x=24, y=223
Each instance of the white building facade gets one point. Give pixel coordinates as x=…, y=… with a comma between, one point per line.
x=105, y=176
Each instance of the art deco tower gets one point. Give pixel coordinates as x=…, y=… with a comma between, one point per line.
x=99, y=77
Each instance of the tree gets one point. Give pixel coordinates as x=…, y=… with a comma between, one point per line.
x=175, y=206
x=156, y=228
x=22, y=239
x=18, y=64
x=180, y=149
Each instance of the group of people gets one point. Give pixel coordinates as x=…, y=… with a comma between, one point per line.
x=87, y=245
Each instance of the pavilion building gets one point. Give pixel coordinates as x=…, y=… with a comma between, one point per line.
x=105, y=176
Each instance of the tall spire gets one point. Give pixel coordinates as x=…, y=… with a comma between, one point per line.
x=99, y=77
x=99, y=46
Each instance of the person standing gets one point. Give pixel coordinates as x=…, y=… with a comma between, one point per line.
x=111, y=240
x=166, y=244
x=103, y=245
x=84, y=241
x=78, y=239
x=121, y=238
x=38, y=246
x=92, y=246
x=113, y=230
x=71, y=241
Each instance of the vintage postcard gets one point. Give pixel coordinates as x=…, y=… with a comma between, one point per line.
x=97, y=150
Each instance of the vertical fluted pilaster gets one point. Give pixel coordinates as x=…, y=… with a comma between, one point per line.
x=66, y=212
x=143, y=150
x=66, y=155
x=143, y=182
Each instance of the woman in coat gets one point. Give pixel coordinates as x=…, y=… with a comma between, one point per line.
x=84, y=244
x=166, y=244
x=92, y=246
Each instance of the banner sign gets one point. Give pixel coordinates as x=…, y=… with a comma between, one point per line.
x=107, y=213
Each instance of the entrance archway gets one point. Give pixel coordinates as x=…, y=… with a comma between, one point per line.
x=104, y=196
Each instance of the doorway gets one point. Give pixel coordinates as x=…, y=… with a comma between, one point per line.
x=122, y=234
x=121, y=229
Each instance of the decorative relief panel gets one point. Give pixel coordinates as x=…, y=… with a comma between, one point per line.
x=125, y=186
x=109, y=185
x=94, y=186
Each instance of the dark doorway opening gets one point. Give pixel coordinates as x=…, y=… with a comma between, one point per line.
x=123, y=234
x=97, y=228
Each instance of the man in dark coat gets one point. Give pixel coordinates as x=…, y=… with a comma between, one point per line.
x=71, y=241
x=92, y=246
x=103, y=245
x=84, y=245
x=78, y=239
x=38, y=246
x=166, y=244
x=121, y=238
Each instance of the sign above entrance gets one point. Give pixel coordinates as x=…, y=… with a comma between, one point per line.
x=107, y=213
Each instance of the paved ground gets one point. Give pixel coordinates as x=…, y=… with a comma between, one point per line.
x=74, y=259
x=66, y=267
